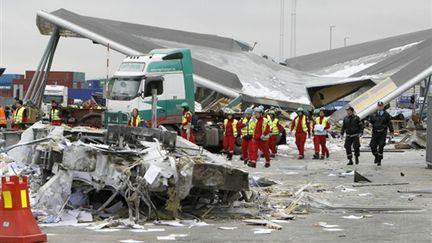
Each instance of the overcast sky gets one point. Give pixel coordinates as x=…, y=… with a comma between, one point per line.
x=21, y=44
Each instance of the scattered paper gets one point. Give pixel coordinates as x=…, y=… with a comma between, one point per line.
x=333, y=229
x=98, y=226
x=345, y=189
x=107, y=230
x=365, y=194
x=172, y=236
x=166, y=237
x=131, y=241
x=227, y=228
x=325, y=225
x=147, y=230
x=170, y=223
x=353, y=217
x=260, y=231
x=151, y=174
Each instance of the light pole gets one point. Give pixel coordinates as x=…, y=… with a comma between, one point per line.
x=345, y=41
x=331, y=35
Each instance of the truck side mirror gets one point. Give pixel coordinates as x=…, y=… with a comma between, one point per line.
x=152, y=83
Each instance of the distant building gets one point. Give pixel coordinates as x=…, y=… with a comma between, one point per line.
x=68, y=79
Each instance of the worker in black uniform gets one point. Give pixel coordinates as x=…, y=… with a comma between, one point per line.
x=380, y=122
x=353, y=127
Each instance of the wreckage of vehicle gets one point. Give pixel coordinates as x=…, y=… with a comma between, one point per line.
x=143, y=172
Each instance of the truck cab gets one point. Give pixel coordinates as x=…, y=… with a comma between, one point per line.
x=58, y=93
x=169, y=71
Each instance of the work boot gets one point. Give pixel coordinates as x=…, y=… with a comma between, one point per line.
x=315, y=156
x=357, y=160
x=376, y=160
x=230, y=156
x=252, y=164
x=322, y=157
x=350, y=162
x=379, y=161
x=267, y=164
x=327, y=154
x=300, y=156
x=273, y=155
x=245, y=161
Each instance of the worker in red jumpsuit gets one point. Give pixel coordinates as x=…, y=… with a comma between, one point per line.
x=246, y=128
x=230, y=133
x=302, y=129
x=276, y=130
x=186, y=126
x=320, y=127
x=260, y=139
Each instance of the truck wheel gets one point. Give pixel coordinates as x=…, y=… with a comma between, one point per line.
x=91, y=119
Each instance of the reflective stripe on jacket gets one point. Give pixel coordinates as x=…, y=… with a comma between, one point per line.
x=248, y=130
x=234, y=127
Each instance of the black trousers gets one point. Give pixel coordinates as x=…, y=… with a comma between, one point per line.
x=377, y=143
x=352, y=142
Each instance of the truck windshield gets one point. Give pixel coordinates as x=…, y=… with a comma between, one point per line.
x=124, y=88
x=48, y=98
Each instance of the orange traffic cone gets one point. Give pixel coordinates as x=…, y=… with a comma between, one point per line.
x=17, y=224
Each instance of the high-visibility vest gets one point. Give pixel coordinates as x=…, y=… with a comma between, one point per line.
x=19, y=114
x=323, y=122
x=249, y=128
x=137, y=121
x=274, y=127
x=264, y=125
x=2, y=116
x=184, y=120
x=304, y=124
x=234, y=126
x=55, y=114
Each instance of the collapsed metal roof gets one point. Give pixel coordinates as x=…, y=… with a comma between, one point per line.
x=221, y=64
x=397, y=63
x=389, y=66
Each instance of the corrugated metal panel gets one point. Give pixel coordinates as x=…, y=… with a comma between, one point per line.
x=6, y=79
x=78, y=77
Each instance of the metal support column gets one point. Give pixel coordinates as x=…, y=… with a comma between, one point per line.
x=40, y=90
x=154, y=108
x=429, y=134
x=37, y=79
x=425, y=96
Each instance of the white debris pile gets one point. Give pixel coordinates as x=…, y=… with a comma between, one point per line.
x=82, y=175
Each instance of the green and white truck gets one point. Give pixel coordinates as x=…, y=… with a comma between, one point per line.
x=169, y=71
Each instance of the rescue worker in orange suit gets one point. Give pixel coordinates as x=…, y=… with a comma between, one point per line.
x=246, y=127
x=302, y=129
x=55, y=117
x=3, y=117
x=275, y=130
x=186, y=126
x=135, y=120
x=19, y=116
x=230, y=133
x=320, y=127
x=260, y=139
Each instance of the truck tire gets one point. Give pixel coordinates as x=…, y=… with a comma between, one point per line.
x=91, y=119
